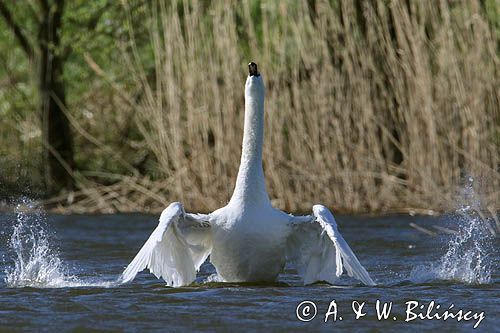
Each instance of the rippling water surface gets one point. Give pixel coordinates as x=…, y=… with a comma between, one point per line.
x=61, y=272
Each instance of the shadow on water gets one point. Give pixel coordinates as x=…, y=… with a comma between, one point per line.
x=263, y=284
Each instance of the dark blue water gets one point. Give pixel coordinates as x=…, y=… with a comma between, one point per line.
x=67, y=268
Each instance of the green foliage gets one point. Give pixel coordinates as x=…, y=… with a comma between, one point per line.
x=492, y=10
x=90, y=28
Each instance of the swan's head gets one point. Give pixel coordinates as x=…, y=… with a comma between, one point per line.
x=254, y=86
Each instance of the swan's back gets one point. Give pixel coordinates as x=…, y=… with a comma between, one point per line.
x=250, y=245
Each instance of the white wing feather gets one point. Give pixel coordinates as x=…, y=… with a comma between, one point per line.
x=175, y=250
x=319, y=251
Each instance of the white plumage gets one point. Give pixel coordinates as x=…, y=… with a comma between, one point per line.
x=247, y=240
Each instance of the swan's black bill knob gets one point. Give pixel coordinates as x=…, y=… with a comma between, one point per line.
x=252, y=69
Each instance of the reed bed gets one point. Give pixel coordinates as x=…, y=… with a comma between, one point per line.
x=371, y=106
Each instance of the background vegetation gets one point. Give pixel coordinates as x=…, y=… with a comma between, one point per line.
x=372, y=106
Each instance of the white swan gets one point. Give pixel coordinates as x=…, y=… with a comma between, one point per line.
x=247, y=240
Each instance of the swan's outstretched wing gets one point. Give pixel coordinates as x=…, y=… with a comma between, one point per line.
x=176, y=249
x=319, y=251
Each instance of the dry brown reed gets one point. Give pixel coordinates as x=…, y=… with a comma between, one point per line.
x=371, y=106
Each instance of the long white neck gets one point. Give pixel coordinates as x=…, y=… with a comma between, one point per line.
x=250, y=185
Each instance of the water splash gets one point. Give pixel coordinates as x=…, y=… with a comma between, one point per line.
x=468, y=257
x=213, y=278
x=36, y=262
